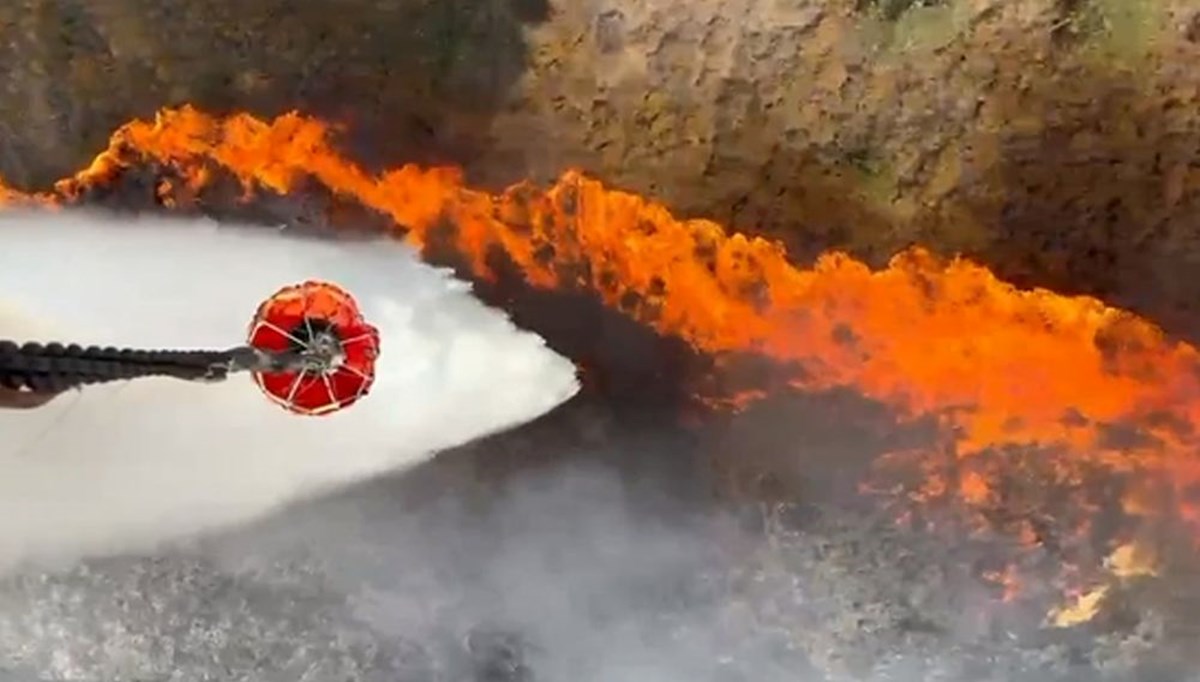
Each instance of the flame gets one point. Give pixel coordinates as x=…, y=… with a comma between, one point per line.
x=1128, y=561
x=998, y=367
x=1132, y=560
x=14, y=198
x=1081, y=610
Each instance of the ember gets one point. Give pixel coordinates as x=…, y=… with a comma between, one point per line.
x=1088, y=389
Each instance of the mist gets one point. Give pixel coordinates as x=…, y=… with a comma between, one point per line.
x=127, y=467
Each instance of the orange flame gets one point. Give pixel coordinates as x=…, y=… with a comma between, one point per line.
x=14, y=198
x=997, y=365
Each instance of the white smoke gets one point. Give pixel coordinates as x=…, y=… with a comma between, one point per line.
x=125, y=467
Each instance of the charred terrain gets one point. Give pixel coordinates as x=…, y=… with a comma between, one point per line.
x=796, y=465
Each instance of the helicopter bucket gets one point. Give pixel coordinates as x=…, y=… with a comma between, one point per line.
x=322, y=321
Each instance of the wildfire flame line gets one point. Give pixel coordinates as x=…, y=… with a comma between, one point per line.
x=999, y=366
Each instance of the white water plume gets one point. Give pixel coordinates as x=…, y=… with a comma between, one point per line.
x=124, y=467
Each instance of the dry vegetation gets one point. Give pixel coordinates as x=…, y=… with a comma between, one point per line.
x=412, y=78
x=1054, y=139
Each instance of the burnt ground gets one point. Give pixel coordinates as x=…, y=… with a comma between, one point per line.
x=1055, y=141
x=584, y=547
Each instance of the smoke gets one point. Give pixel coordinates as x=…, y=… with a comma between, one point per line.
x=573, y=572
x=123, y=468
x=564, y=573
x=584, y=546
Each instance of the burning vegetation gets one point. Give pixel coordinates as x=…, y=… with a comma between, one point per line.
x=1057, y=417
x=1064, y=429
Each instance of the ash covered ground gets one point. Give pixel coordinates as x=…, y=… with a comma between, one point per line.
x=586, y=546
